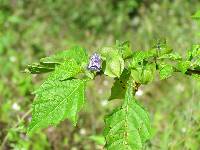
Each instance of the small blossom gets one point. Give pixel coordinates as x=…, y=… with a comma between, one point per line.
x=74, y=148
x=183, y=129
x=13, y=59
x=82, y=131
x=16, y=107
x=95, y=63
x=104, y=102
x=139, y=92
x=29, y=119
x=180, y=87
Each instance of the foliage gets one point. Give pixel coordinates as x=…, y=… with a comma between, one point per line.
x=62, y=94
x=128, y=127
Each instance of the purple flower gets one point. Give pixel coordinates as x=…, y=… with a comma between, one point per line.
x=95, y=63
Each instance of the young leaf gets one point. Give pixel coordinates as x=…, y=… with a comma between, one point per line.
x=194, y=52
x=124, y=48
x=127, y=127
x=141, y=56
x=119, y=87
x=39, y=68
x=165, y=71
x=56, y=101
x=114, y=64
x=183, y=66
x=171, y=56
x=196, y=77
x=77, y=53
x=144, y=73
x=162, y=47
x=66, y=70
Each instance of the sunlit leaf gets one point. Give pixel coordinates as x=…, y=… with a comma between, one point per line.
x=162, y=47
x=66, y=70
x=165, y=71
x=114, y=63
x=171, y=56
x=128, y=127
x=124, y=48
x=56, y=101
x=183, y=66
x=98, y=139
x=77, y=53
x=144, y=73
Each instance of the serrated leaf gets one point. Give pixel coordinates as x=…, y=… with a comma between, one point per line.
x=58, y=98
x=165, y=71
x=119, y=87
x=77, y=53
x=66, y=70
x=39, y=68
x=56, y=101
x=127, y=127
x=183, y=66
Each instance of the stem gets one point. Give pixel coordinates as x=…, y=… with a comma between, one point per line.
x=190, y=72
x=18, y=123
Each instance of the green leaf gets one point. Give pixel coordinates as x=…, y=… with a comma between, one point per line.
x=183, y=66
x=128, y=127
x=119, y=87
x=171, y=56
x=162, y=47
x=196, y=15
x=48, y=64
x=144, y=73
x=56, y=101
x=193, y=52
x=141, y=56
x=138, y=57
x=114, y=63
x=77, y=53
x=124, y=48
x=196, y=77
x=105, y=51
x=165, y=71
x=39, y=68
x=66, y=70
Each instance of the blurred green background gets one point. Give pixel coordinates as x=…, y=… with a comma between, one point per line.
x=31, y=29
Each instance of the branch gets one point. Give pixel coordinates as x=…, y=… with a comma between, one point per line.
x=190, y=72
